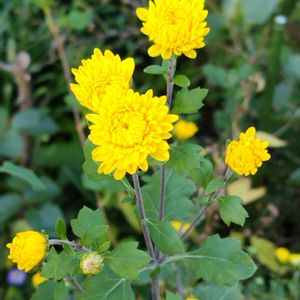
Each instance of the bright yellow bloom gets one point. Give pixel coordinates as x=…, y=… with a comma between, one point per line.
x=247, y=154
x=99, y=73
x=294, y=259
x=174, y=26
x=179, y=226
x=91, y=263
x=28, y=249
x=185, y=130
x=37, y=279
x=282, y=254
x=127, y=130
x=191, y=298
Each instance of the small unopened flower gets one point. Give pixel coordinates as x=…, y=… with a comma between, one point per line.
x=28, y=249
x=16, y=277
x=191, y=298
x=37, y=279
x=283, y=255
x=174, y=26
x=99, y=73
x=294, y=259
x=247, y=154
x=91, y=263
x=179, y=226
x=185, y=130
x=128, y=130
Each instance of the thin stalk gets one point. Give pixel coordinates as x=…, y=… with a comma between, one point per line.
x=59, y=43
x=140, y=204
x=76, y=284
x=170, y=86
x=75, y=245
x=202, y=211
x=273, y=72
x=155, y=288
x=178, y=281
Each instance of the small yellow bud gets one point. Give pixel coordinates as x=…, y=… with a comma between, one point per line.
x=185, y=130
x=294, y=259
x=37, y=279
x=191, y=298
x=282, y=254
x=91, y=263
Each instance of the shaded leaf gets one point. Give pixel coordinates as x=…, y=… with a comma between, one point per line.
x=89, y=226
x=23, y=173
x=126, y=260
x=182, y=81
x=165, y=237
x=232, y=210
x=154, y=70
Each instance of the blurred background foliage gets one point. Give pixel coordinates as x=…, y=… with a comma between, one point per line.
x=251, y=65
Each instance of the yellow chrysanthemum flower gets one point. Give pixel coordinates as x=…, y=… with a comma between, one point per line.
x=179, y=226
x=247, y=154
x=174, y=26
x=37, y=279
x=294, y=259
x=127, y=130
x=28, y=249
x=97, y=74
x=282, y=254
x=185, y=130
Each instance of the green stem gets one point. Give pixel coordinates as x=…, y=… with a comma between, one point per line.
x=273, y=71
x=75, y=245
x=170, y=86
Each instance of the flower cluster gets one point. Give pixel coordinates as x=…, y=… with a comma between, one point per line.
x=284, y=256
x=174, y=26
x=247, y=154
x=28, y=249
x=126, y=126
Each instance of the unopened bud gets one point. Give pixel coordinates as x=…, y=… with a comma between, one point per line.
x=91, y=263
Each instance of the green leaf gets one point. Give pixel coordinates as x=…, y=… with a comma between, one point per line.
x=11, y=143
x=78, y=20
x=189, y=101
x=184, y=157
x=232, y=210
x=218, y=292
x=10, y=204
x=219, y=260
x=45, y=291
x=126, y=260
x=257, y=11
x=111, y=287
x=154, y=70
x=60, y=229
x=89, y=226
x=34, y=122
x=24, y=174
x=203, y=174
x=59, y=265
x=182, y=81
x=60, y=291
x=179, y=190
x=171, y=296
x=165, y=237
x=214, y=185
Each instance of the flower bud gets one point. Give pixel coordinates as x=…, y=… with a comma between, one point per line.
x=28, y=249
x=91, y=263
